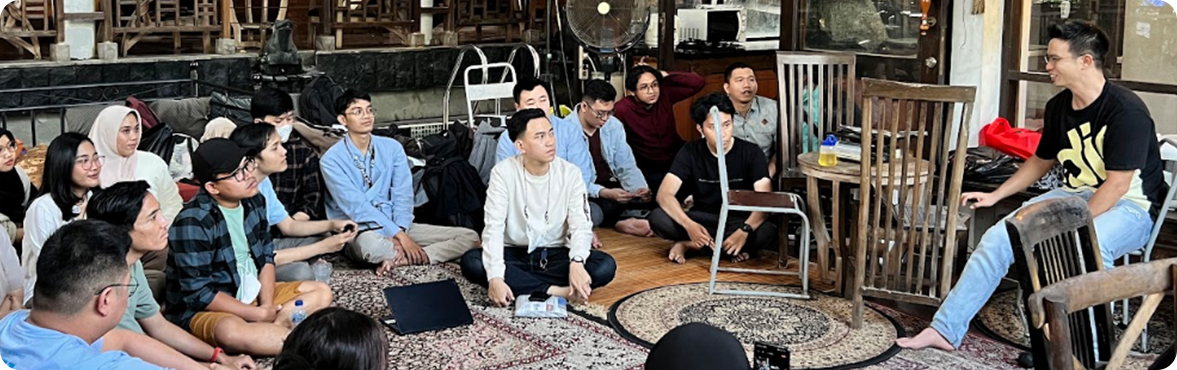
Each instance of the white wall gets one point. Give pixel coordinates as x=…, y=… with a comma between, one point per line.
x=975, y=59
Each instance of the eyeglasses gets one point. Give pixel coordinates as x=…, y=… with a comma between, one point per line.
x=362, y=112
x=649, y=88
x=242, y=173
x=88, y=162
x=601, y=115
x=130, y=288
x=10, y=148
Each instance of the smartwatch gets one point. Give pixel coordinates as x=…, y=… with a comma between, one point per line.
x=746, y=228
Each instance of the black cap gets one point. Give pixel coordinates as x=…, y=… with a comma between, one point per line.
x=217, y=156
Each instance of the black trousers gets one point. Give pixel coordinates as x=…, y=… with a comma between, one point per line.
x=526, y=274
x=763, y=237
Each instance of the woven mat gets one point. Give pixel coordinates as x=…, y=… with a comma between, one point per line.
x=497, y=340
x=815, y=331
x=1000, y=318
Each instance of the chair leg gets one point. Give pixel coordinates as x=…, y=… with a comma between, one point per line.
x=716, y=247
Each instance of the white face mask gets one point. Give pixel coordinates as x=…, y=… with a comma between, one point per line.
x=284, y=132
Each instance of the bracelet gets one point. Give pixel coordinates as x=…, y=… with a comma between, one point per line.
x=216, y=353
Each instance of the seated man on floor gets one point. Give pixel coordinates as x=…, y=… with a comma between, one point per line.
x=1104, y=137
x=83, y=290
x=531, y=93
x=538, y=230
x=299, y=187
x=129, y=206
x=617, y=183
x=648, y=117
x=296, y=242
x=221, y=270
x=368, y=180
x=756, y=116
x=695, y=172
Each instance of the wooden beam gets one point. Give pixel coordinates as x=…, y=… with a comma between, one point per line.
x=666, y=13
x=1011, y=54
x=789, y=34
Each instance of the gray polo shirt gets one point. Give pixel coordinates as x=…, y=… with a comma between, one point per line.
x=760, y=126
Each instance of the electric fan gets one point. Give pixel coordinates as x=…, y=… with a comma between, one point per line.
x=608, y=27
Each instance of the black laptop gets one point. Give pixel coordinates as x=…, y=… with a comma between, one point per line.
x=426, y=307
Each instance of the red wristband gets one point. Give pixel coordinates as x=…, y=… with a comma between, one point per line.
x=216, y=353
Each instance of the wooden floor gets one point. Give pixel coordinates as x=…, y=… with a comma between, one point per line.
x=642, y=264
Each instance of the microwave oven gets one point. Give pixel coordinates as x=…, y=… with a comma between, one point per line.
x=711, y=24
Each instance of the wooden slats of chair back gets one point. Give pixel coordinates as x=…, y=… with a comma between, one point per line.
x=908, y=257
x=373, y=11
x=824, y=81
x=1052, y=241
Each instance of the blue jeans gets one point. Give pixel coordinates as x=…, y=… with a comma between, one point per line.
x=1122, y=229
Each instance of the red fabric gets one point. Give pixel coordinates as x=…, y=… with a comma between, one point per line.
x=187, y=191
x=145, y=113
x=1015, y=142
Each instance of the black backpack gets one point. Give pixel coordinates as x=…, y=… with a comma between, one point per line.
x=279, y=56
x=316, y=104
x=456, y=195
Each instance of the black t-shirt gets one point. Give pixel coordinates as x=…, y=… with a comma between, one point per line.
x=699, y=171
x=1114, y=133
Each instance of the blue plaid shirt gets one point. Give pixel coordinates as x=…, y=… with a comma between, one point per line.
x=201, y=262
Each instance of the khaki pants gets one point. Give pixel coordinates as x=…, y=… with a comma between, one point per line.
x=441, y=244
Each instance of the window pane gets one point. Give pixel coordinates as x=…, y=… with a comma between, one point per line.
x=889, y=27
x=1032, y=106
x=1163, y=108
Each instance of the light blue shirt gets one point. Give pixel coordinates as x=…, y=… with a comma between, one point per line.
x=617, y=154
x=27, y=346
x=275, y=211
x=569, y=145
x=388, y=202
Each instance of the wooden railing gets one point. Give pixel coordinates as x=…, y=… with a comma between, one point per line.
x=32, y=25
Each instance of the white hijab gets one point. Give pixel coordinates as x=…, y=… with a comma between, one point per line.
x=105, y=134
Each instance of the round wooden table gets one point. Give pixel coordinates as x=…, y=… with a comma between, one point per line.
x=848, y=172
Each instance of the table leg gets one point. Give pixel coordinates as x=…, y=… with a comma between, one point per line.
x=839, y=240
x=820, y=232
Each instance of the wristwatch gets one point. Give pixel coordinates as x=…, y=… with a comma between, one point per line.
x=746, y=228
x=579, y=260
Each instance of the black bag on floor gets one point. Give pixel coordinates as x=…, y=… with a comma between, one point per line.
x=235, y=109
x=316, y=103
x=456, y=195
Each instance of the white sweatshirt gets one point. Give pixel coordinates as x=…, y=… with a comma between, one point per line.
x=527, y=211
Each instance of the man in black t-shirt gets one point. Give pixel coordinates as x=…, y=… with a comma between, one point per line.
x=695, y=172
x=1104, y=138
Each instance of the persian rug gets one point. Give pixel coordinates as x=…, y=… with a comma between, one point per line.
x=496, y=341
x=816, y=331
x=1001, y=319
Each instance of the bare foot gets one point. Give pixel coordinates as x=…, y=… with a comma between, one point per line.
x=678, y=251
x=927, y=338
x=741, y=257
x=596, y=242
x=634, y=227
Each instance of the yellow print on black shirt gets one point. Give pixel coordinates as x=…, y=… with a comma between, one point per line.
x=1083, y=160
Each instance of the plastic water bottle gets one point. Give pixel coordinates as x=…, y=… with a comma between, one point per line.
x=826, y=155
x=299, y=314
x=322, y=270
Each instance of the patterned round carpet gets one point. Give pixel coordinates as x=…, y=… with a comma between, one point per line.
x=1000, y=319
x=816, y=331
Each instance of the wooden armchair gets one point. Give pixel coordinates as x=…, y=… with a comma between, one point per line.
x=1053, y=307
x=816, y=98
x=1054, y=240
x=908, y=221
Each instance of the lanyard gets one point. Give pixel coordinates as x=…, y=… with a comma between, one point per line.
x=372, y=162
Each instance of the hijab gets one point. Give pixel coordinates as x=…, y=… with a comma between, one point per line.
x=104, y=134
x=12, y=188
x=218, y=128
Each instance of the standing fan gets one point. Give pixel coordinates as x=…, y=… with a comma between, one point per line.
x=608, y=27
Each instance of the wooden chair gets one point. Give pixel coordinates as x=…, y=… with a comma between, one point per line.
x=907, y=221
x=133, y=21
x=1053, y=308
x=1054, y=240
x=251, y=20
x=816, y=98
x=24, y=24
x=754, y=201
x=801, y=76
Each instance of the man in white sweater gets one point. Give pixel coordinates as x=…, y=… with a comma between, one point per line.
x=538, y=228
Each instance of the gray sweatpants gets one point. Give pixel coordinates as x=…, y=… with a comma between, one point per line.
x=441, y=244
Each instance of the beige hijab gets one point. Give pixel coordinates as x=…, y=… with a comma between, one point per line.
x=218, y=128
x=105, y=134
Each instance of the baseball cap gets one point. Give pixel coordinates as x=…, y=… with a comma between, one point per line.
x=217, y=156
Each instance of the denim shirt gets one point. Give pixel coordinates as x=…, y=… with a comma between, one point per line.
x=569, y=146
x=617, y=154
x=387, y=203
